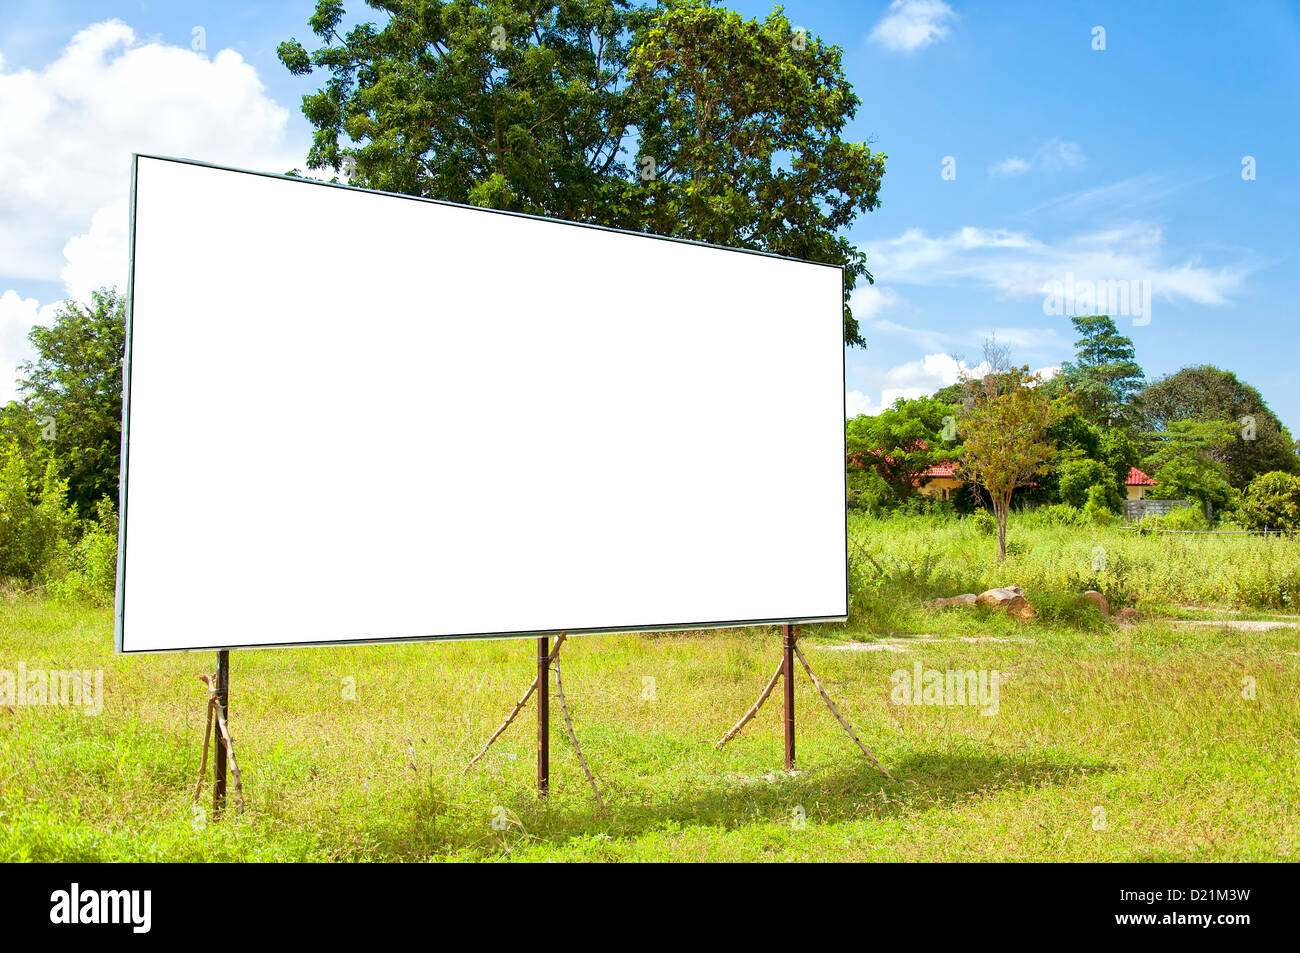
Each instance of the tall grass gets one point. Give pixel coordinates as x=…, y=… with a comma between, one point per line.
x=897, y=562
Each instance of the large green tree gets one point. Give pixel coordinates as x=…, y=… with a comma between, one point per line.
x=1187, y=462
x=1104, y=377
x=73, y=393
x=900, y=442
x=1004, y=425
x=741, y=121
x=1260, y=443
x=680, y=119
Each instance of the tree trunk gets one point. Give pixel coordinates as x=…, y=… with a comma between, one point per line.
x=1000, y=507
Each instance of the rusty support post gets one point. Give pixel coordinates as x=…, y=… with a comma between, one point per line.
x=543, y=716
x=219, y=763
x=787, y=676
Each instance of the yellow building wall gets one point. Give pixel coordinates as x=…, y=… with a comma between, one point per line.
x=941, y=488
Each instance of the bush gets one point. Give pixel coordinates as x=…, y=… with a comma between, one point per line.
x=983, y=522
x=1097, y=510
x=1272, y=502
x=1055, y=514
x=1180, y=518
x=35, y=518
x=92, y=562
x=1078, y=478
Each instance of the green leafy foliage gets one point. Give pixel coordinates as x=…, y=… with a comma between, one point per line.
x=91, y=564
x=1100, y=504
x=899, y=443
x=35, y=518
x=1078, y=477
x=1004, y=426
x=1104, y=376
x=1187, y=518
x=1188, y=462
x=74, y=393
x=1258, y=442
x=735, y=125
x=1272, y=501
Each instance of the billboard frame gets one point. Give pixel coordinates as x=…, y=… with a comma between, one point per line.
x=119, y=612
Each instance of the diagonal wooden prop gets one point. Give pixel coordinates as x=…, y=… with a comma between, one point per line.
x=753, y=710
x=519, y=706
x=836, y=712
x=214, y=711
x=573, y=736
x=771, y=684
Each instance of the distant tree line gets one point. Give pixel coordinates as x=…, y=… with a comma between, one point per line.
x=59, y=450
x=1201, y=433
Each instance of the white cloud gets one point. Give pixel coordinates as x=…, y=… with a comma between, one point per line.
x=913, y=24
x=1013, y=165
x=910, y=380
x=856, y=403
x=98, y=257
x=916, y=379
x=1058, y=154
x=70, y=129
x=18, y=315
x=65, y=152
x=1018, y=265
x=869, y=300
x=1055, y=155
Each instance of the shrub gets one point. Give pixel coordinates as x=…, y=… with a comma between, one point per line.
x=1055, y=514
x=1097, y=509
x=1186, y=518
x=1078, y=478
x=1272, y=502
x=1180, y=518
x=983, y=522
x=92, y=562
x=35, y=518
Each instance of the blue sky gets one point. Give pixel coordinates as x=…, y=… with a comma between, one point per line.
x=1115, y=164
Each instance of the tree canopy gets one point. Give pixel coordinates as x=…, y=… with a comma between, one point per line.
x=74, y=392
x=679, y=119
x=1260, y=443
x=1104, y=376
x=901, y=442
x=1004, y=425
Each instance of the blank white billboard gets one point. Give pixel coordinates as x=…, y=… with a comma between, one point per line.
x=354, y=416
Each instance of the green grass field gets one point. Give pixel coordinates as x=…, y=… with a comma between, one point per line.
x=1109, y=743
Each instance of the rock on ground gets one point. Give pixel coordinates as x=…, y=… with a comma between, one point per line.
x=1010, y=599
x=1102, y=602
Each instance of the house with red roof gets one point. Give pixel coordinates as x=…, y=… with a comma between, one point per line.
x=1138, y=484
x=941, y=482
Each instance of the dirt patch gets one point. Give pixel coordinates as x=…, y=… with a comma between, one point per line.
x=903, y=643
x=1244, y=625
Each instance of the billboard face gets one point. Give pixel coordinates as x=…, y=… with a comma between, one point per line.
x=353, y=416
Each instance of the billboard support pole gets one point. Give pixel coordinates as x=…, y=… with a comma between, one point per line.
x=787, y=673
x=219, y=759
x=543, y=716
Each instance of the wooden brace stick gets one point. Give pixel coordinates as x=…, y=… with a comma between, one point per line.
x=753, y=710
x=203, y=762
x=835, y=711
x=573, y=736
x=214, y=709
x=519, y=706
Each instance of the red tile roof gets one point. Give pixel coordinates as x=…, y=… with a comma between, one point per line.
x=1137, y=478
x=945, y=469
